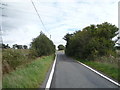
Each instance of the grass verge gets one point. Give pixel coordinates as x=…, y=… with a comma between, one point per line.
x=31, y=75
x=108, y=69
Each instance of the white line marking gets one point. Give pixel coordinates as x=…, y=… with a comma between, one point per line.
x=100, y=74
x=51, y=75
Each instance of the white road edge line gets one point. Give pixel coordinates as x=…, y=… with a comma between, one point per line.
x=100, y=74
x=51, y=75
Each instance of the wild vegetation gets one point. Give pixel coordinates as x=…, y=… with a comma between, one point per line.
x=30, y=75
x=12, y=58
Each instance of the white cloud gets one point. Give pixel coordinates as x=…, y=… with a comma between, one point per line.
x=21, y=36
x=59, y=16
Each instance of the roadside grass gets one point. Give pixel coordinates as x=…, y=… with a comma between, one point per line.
x=30, y=75
x=111, y=70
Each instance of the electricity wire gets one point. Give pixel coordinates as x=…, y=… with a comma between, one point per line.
x=39, y=16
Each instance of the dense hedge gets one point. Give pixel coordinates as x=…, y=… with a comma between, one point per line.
x=91, y=42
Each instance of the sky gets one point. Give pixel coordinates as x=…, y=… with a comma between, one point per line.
x=20, y=23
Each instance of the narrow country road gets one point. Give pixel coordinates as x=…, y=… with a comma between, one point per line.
x=70, y=74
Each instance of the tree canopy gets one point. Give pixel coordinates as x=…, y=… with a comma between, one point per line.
x=16, y=46
x=5, y=46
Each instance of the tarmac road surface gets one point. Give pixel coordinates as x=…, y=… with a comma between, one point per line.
x=70, y=74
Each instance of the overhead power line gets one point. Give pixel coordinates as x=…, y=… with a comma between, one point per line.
x=39, y=16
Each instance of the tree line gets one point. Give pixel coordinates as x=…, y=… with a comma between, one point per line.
x=15, y=46
x=92, y=41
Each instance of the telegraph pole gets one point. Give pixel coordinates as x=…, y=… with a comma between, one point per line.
x=2, y=7
x=1, y=45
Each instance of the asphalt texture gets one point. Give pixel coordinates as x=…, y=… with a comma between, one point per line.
x=70, y=74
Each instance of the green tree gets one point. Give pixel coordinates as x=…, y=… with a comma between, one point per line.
x=16, y=46
x=25, y=46
x=43, y=45
x=67, y=38
x=5, y=46
x=19, y=47
x=61, y=47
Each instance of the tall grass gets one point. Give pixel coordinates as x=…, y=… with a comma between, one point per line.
x=31, y=75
